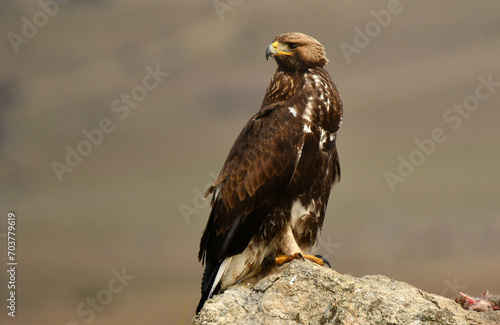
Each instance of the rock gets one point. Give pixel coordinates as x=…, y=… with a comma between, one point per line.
x=302, y=292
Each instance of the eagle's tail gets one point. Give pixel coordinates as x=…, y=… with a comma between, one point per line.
x=211, y=282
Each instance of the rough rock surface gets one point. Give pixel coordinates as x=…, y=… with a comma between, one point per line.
x=302, y=292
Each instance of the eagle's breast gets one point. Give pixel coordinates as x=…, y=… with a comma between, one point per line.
x=318, y=109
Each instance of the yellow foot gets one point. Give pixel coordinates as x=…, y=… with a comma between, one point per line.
x=282, y=259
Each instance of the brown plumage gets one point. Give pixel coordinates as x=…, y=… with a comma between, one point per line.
x=271, y=195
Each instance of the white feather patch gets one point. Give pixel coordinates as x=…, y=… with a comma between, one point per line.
x=222, y=269
x=317, y=81
x=217, y=192
x=288, y=245
x=323, y=138
x=299, y=212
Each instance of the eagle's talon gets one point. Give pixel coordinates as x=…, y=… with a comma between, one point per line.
x=269, y=262
x=325, y=261
x=318, y=259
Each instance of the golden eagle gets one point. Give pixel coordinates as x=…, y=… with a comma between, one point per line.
x=270, y=198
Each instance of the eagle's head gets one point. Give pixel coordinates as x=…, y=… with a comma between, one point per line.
x=297, y=51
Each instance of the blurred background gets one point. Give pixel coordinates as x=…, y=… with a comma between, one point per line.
x=109, y=220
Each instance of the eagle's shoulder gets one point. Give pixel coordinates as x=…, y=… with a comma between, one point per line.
x=265, y=150
x=258, y=169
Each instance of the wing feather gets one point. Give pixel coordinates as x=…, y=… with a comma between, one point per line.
x=257, y=171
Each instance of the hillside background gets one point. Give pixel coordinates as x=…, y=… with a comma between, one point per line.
x=124, y=205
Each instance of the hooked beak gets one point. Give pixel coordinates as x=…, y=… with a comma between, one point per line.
x=276, y=49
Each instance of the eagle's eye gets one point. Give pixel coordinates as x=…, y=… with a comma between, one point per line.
x=292, y=46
